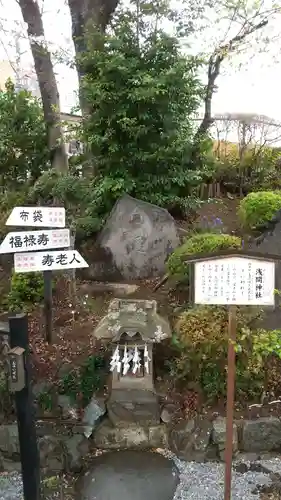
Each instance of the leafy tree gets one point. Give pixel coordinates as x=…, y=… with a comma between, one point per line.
x=23, y=138
x=141, y=92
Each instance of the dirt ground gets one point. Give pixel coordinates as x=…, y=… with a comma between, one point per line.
x=226, y=210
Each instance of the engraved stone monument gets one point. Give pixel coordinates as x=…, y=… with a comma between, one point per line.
x=137, y=239
x=132, y=326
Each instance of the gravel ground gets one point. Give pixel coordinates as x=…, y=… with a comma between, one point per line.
x=206, y=481
x=11, y=486
x=197, y=481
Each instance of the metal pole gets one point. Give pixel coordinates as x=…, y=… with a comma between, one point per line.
x=48, y=305
x=25, y=414
x=232, y=324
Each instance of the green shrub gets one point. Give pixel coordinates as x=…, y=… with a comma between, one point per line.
x=27, y=289
x=199, y=243
x=202, y=341
x=82, y=382
x=256, y=170
x=258, y=208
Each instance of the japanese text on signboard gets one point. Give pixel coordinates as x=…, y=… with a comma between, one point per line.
x=36, y=240
x=13, y=368
x=37, y=216
x=49, y=260
x=234, y=281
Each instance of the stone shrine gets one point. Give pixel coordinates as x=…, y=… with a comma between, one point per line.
x=132, y=326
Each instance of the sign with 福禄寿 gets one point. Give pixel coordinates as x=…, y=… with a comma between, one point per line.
x=48, y=261
x=37, y=217
x=235, y=281
x=27, y=241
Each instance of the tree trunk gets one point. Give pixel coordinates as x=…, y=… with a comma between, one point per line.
x=47, y=83
x=86, y=14
x=214, y=67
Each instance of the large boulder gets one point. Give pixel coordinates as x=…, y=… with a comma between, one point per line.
x=125, y=475
x=137, y=238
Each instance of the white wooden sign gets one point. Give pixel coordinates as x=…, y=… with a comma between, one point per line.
x=235, y=281
x=48, y=261
x=28, y=241
x=37, y=217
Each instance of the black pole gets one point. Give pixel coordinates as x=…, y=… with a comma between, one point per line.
x=48, y=303
x=25, y=414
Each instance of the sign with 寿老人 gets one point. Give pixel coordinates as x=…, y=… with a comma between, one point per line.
x=48, y=261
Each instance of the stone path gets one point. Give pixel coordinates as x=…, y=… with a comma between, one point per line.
x=130, y=475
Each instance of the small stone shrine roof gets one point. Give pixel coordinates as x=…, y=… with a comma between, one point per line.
x=133, y=317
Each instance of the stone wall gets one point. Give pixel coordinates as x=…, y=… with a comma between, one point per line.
x=197, y=439
x=61, y=447
x=64, y=447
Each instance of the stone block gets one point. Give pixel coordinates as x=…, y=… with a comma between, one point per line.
x=132, y=436
x=167, y=413
x=158, y=436
x=133, y=406
x=92, y=415
x=52, y=454
x=190, y=440
x=9, y=440
x=219, y=437
x=77, y=447
x=263, y=434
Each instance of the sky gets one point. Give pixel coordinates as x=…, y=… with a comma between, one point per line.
x=247, y=85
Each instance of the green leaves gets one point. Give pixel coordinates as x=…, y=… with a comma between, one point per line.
x=202, y=344
x=23, y=139
x=199, y=243
x=141, y=92
x=258, y=208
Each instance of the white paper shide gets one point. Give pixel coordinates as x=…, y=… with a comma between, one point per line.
x=235, y=281
x=131, y=361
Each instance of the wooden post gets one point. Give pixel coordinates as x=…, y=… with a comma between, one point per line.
x=25, y=414
x=48, y=306
x=232, y=323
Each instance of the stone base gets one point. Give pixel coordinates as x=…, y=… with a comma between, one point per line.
x=133, y=436
x=133, y=406
x=127, y=475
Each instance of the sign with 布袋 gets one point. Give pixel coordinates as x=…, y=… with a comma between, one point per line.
x=235, y=281
x=48, y=261
x=28, y=241
x=37, y=217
